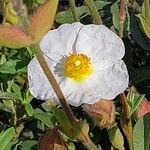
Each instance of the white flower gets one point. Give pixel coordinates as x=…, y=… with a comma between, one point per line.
x=86, y=62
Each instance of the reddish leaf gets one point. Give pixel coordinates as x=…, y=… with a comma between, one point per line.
x=42, y=20
x=143, y=109
x=13, y=37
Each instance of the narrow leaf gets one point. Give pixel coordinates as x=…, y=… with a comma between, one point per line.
x=6, y=137
x=116, y=137
x=8, y=95
x=138, y=34
x=44, y=117
x=17, y=90
x=10, y=14
x=115, y=16
x=137, y=101
x=29, y=109
x=63, y=120
x=100, y=4
x=133, y=100
x=145, y=25
x=141, y=133
x=147, y=132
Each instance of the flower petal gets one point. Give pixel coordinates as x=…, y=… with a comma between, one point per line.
x=101, y=44
x=13, y=37
x=38, y=83
x=59, y=42
x=113, y=81
x=106, y=84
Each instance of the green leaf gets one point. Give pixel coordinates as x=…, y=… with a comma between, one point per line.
x=40, y=1
x=115, y=15
x=141, y=75
x=6, y=137
x=27, y=97
x=116, y=137
x=29, y=109
x=63, y=120
x=146, y=119
x=9, y=67
x=138, y=34
x=138, y=135
x=14, y=144
x=141, y=134
x=100, y=4
x=77, y=131
x=70, y=146
x=12, y=53
x=83, y=11
x=8, y=95
x=29, y=145
x=17, y=90
x=136, y=102
x=2, y=59
x=10, y=105
x=67, y=17
x=133, y=100
x=45, y=117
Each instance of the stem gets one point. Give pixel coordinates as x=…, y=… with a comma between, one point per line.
x=73, y=9
x=94, y=12
x=130, y=140
x=19, y=128
x=19, y=4
x=90, y=145
x=53, y=82
x=122, y=17
x=124, y=106
x=112, y=148
x=128, y=131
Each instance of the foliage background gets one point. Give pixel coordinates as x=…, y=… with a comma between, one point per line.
x=32, y=117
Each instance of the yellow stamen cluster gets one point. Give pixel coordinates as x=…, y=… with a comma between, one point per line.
x=77, y=66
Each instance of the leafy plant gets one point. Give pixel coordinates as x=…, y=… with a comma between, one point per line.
x=24, y=120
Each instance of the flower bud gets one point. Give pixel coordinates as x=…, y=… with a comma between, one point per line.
x=102, y=112
x=51, y=140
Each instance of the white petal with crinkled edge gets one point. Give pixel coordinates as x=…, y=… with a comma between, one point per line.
x=59, y=42
x=38, y=83
x=101, y=44
x=107, y=84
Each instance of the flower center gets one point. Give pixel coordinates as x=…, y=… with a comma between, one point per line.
x=77, y=66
